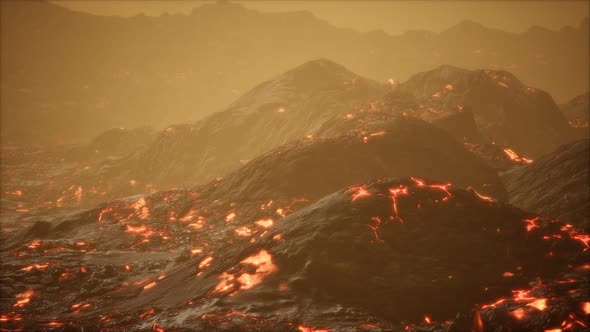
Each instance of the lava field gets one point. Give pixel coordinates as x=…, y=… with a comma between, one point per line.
x=318, y=201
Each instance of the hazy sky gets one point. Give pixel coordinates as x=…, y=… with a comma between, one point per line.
x=392, y=16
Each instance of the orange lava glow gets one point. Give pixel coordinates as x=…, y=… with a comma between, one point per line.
x=261, y=261
x=302, y=328
x=230, y=217
x=243, y=231
x=442, y=187
x=540, y=304
x=266, y=223
x=33, y=245
x=586, y=308
x=23, y=298
x=359, y=192
x=515, y=157
x=393, y=194
x=480, y=196
x=150, y=285
x=36, y=267
x=264, y=266
x=205, y=262
x=518, y=313
x=531, y=223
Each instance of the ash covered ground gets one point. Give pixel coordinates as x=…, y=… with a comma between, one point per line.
x=318, y=201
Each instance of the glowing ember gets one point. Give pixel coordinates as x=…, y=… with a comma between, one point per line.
x=196, y=251
x=480, y=196
x=79, y=306
x=52, y=324
x=360, y=192
x=78, y=193
x=585, y=239
x=157, y=328
x=507, y=274
x=427, y=319
x=531, y=224
x=23, y=298
x=264, y=266
x=518, y=313
x=280, y=110
x=33, y=245
x=243, y=231
x=379, y=133
x=226, y=284
x=36, y=267
x=141, y=208
x=266, y=223
x=515, y=157
x=147, y=313
x=477, y=322
x=230, y=217
x=442, y=187
x=540, y=304
x=302, y=328
x=394, y=193
x=205, y=262
x=586, y=308
x=262, y=262
x=150, y=285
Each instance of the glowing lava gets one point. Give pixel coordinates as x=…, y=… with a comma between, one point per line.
x=266, y=223
x=359, y=192
x=394, y=193
x=263, y=266
x=531, y=224
x=515, y=157
x=23, y=298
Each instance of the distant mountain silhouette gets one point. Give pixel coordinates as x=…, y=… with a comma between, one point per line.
x=68, y=76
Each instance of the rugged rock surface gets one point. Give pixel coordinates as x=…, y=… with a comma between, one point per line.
x=505, y=110
x=555, y=185
x=401, y=147
x=286, y=108
x=194, y=260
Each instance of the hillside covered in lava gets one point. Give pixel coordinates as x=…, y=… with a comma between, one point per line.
x=317, y=201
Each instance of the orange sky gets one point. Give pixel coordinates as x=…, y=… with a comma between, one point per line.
x=392, y=16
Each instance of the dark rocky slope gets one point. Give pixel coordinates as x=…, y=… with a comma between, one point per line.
x=555, y=185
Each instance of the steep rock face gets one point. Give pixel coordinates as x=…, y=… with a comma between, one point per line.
x=555, y=185
x=286, y=108
x=505, y=110
x=371, y=254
